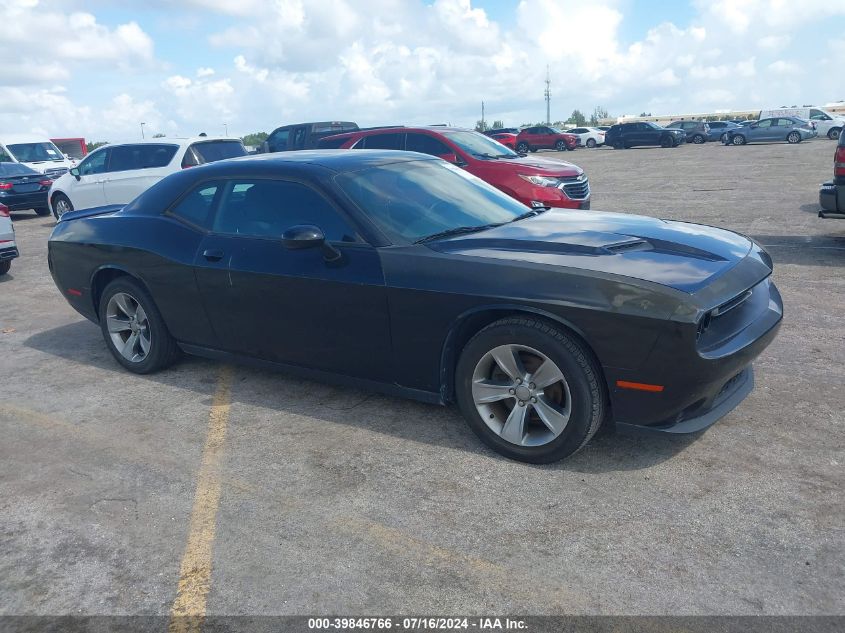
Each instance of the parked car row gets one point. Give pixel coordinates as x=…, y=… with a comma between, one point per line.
x=790, y=129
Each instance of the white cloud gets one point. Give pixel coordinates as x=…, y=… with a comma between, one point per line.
x=401, y=61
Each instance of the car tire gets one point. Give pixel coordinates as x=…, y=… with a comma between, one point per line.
x=793, y=137
x=522, y=148
x=698, y=139
x=833, y=133
x=738, y=139
x=534, y=424
x=560, y=146
x=61, y=205
x=5, y=266
x=127, y=311
x=724, y=138
x=43, y=211
x=591, y=143
x=667, y=141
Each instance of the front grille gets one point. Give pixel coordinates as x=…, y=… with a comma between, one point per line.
x=576, y=188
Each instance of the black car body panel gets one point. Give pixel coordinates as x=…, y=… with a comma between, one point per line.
x=679, y=305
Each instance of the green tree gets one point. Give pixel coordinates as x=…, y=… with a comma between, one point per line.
x=498, y=124
x=645, y=113
x=599, y=113
x=255, y=139
x=481, y=126
x=158, y=135
x=94, y=145
x=577, y=117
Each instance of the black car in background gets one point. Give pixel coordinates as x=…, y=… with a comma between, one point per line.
x=625, y=135
x=399, y=272
x=832, y=193
x=24, y=188
x=304, y=135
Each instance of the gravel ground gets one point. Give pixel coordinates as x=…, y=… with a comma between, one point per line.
x=344, y=502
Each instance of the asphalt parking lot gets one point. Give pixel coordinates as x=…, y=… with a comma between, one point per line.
x=273, y=495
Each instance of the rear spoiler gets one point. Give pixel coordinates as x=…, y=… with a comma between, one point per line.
x=87, y=213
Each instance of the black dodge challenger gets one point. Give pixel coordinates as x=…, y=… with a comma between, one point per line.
x=402, y=273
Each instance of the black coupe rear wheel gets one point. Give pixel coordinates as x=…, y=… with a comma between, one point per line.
x=133, y=328
x=667, y=141
x=529, y=391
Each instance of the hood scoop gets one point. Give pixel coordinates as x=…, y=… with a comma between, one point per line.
x=629, y=246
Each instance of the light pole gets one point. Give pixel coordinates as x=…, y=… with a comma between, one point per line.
x=225, y=129
x=142, y=130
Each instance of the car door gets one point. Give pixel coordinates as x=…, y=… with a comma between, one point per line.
x=296, y=307
x=135, y=168
x=762, y=131
x=86, y=190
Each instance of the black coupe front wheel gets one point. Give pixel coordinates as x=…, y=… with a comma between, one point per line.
x=529, y=390
x=133, y=328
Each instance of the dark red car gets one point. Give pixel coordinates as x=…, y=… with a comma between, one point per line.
x=544, y=137
x=536, y=182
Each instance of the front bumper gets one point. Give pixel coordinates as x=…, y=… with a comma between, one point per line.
x=700, y=386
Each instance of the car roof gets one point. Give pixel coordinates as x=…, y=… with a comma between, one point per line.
x=334, y=159
x=397, y=129
x=13, y=139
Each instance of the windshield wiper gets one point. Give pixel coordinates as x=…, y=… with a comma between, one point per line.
x=458, y=230
x=487, y=155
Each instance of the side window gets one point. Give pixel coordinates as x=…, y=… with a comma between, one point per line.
x=383, y=141
x=267, y=208
x=94, y=164
x=142, y=156
x=4, y=156
x=278, y=141
x=298, y=138
x=426, y=145
x=196, y=206
x=818, y=115
x=765, y=123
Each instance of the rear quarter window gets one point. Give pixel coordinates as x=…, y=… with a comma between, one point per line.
x=211, y=151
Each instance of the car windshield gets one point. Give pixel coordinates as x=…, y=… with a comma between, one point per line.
x=35, y=152
x=653, y=125
x=479, y=145
x=16, y=169
x=412, y=200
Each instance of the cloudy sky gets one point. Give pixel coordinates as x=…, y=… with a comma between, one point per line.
x=97, y=69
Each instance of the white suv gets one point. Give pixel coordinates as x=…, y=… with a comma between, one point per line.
x=117, y=174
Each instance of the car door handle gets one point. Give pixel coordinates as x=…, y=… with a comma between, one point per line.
x=213, y=255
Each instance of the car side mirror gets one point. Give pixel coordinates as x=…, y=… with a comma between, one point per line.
x=74, y=171
x=302, y=236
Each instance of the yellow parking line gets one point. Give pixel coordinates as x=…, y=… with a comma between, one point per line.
x=188, y=611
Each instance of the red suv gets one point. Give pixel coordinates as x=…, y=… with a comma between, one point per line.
x=533, y=181
x=544, y=137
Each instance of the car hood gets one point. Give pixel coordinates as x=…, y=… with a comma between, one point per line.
x=534, y=166
x=679, y=255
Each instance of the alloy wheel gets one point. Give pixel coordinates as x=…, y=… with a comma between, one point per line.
x=62, y=206
x=521, y=395
x=129, y=327
x=794, y=137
